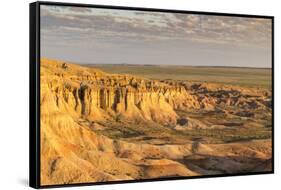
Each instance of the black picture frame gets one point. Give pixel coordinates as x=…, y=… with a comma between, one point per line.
x=34, y=91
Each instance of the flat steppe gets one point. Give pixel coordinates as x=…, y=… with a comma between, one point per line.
x=244, y=76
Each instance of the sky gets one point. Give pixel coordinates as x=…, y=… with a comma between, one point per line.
x=108, y=36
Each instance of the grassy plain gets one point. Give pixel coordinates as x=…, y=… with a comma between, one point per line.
x=248, y=77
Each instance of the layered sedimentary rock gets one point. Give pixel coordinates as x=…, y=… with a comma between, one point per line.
x=90, y=93
x=73, y=152
x=95, y=93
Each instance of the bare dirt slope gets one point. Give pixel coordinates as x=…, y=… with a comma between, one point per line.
x=103, y=127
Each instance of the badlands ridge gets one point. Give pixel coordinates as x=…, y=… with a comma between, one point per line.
x=105, y=127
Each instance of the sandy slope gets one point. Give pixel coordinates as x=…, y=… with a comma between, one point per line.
x=73, y=151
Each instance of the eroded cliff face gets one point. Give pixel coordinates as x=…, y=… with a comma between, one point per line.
x=91, y=93
x=98, y=95
x=76, y=101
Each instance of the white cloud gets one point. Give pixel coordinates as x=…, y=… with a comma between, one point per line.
x=106, y=28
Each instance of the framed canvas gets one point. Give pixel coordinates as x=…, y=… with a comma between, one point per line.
x=126, y=94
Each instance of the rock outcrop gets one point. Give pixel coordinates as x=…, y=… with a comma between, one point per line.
x=73, y=152
x=94, y=94
x=91, y=93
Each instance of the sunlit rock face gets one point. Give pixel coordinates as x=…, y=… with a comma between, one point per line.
x=89, y=92
x=93, y=92
x=77, y=103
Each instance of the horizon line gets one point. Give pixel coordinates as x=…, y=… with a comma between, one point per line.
x=176, y=65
